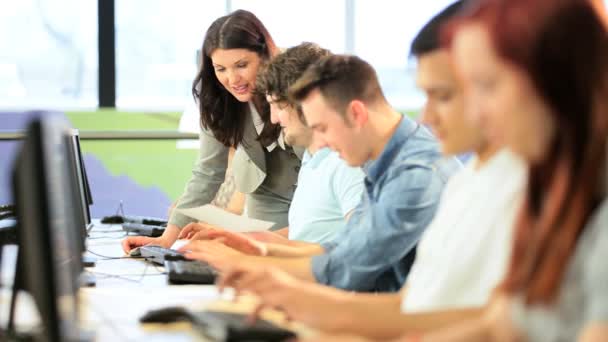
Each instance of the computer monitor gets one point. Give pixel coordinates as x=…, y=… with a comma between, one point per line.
x=85, y=179
x=83, y=215
x=80, y=177
x=48, y=265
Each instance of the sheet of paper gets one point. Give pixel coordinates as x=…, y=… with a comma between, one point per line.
x=229, y=221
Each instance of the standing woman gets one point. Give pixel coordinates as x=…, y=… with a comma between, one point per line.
x=539, y=74
x=234, y=115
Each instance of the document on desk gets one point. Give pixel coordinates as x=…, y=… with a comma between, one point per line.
x=229, y=221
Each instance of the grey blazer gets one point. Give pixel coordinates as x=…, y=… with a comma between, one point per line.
x=249, y=166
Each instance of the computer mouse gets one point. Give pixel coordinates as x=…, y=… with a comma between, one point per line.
x=169, y=314
x=135, y=252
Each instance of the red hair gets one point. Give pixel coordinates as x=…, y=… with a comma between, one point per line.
x=562, y=46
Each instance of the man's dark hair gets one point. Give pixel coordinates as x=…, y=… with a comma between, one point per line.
x=340, y=79
x=282, y=71
x=428, y=38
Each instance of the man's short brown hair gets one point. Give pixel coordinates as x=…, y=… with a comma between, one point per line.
x=281, y=72
x=340, y=79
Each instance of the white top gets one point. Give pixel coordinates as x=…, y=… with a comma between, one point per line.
x=464, y=252
x=328, y=189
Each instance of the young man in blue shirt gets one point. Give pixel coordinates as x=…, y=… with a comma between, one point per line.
x=405, y=174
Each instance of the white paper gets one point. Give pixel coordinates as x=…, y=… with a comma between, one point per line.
x=223, y=219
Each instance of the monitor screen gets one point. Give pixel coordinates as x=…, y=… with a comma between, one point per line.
x=80, y=175
x=48, y=234
x=81, y=206
x=87, y=188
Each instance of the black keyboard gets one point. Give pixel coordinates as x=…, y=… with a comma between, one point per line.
x=114, y=219
x=157, y=254
x=183, y=271
x=221, y=326
x=155, y=221
x=228, y=326
x=143, y=229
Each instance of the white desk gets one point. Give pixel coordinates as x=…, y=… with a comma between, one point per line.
x=127, y=288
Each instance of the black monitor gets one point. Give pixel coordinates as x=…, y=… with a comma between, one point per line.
x=79, y=175
x=48, y=265
x=85, y=179
x=82, y=212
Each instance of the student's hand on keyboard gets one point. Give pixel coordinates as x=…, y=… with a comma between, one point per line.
x=205, y=231
x=237, y=241
x=137, y=241
x=213, y=252
x=307, y=302
x=245, y=277
x=197, y=230
x=214, y=247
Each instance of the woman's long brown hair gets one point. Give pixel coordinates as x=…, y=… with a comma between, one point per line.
x=562, y=46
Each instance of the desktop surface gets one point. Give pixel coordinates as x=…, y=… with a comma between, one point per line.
x=127, y=288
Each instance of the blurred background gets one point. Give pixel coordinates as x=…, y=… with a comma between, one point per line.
x=50, y=60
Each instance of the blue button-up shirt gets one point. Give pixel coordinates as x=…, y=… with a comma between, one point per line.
x=375, y=250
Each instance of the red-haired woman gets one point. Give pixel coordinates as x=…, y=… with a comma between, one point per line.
x=538, y=73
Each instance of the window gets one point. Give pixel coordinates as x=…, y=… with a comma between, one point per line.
x=384, y=30
x=156, y=43
x=48, y=54
x=48, y=48
x=292, y=22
